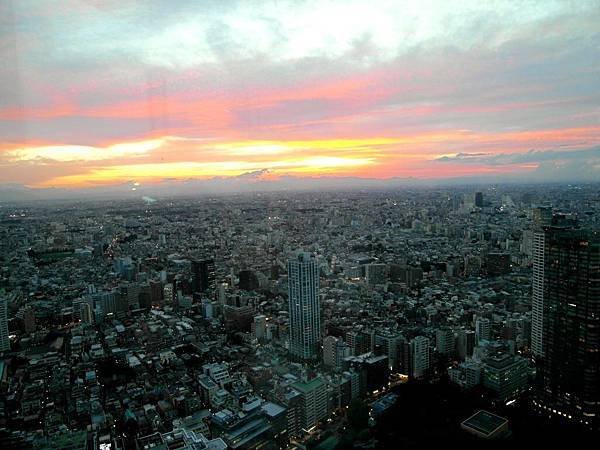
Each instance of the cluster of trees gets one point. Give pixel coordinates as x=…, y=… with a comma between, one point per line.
x=357, y=417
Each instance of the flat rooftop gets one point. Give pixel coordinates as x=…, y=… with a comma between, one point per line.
x=485, y=423
x=309, y=385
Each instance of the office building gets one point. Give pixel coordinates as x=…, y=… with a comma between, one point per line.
x=465, y=343
x=203, y=275
x=313, y=401
x=542, y=217
x=479, y=199
x=506, y=375
x=334, y=350
x=444, y=341
x=467, y=375
x=483, y=329
x=387, y=343
x=420, y=355
x=259, y=327
x=26, y=317
x=373, y=371
x=568, y=369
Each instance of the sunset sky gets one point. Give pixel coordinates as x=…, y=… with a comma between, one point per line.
x=105, y=92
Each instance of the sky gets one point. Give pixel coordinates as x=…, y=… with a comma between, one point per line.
x=97, y=93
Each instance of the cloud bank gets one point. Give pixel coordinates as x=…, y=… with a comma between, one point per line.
x=96, y=93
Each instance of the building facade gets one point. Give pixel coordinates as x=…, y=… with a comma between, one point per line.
x=203, y=275
x=420, y=352
x=313, y=395
x=568, y=369
x=4, y=341
x=304, y=307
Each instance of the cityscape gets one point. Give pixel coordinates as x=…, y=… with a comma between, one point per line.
x=299, y=321
x=299, y=224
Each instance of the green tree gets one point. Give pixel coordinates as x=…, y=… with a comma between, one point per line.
x=358, y=415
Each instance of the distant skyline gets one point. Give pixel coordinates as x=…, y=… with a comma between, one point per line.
x=97, y=93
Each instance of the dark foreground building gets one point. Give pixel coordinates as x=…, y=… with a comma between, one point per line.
x=568, y=373
x=203, y=275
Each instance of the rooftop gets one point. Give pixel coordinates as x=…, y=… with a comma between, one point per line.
x=308, y=385
x=485, y=423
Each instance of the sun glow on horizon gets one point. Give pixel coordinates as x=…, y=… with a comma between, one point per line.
x=178, y=157
x=156, y=172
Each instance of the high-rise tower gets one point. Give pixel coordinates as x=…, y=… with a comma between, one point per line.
x=4, y=342
x=568, y=368
x=203, y=275
x=304, y=306
x=542, y=217
x=479, y=199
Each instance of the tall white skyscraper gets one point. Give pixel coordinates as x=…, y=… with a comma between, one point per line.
x=541, y=217
x=537, y=300
x=4, y=342
x=304, y=306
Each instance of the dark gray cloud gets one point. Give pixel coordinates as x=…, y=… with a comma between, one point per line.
x=253, y=175
x=581, y=165
x=532, y=156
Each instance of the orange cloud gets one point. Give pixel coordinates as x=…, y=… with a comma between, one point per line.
x=413, y=154
x=154, y=172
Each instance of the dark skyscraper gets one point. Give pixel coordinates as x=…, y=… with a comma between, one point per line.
x=479, y=199
x=203, y=275
x=4, y=341
x=542, y=218
x=156, y=292
x=248, y=280
x=568, y=371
